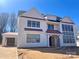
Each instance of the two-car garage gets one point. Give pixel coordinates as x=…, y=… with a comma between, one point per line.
x=9, y=39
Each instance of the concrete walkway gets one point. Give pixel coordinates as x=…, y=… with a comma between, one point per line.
x=8, y=53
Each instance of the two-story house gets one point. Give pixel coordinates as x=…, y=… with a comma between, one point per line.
x=38, y=30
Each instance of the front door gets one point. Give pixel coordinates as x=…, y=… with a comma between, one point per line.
x=10, y=41
x=54, y=41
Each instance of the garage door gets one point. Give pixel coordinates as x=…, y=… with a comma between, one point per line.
x=10, y=41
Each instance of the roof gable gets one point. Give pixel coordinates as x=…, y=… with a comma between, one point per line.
x=67, y=20
x=33, y=13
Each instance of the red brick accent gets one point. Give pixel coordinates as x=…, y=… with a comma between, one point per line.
x=53, y=31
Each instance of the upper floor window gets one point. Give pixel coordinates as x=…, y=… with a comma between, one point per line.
x=67, y=27
x=68, y=34
x=33, y=23
x=50, y=27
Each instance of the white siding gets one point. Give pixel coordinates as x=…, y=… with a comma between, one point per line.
x=22, y=34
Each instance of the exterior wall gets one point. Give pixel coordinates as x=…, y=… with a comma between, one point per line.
x=4, y=41
x=22, y=34
x=44, y=41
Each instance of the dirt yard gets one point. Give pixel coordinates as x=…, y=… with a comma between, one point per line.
x=8, y=53
x=44, y=53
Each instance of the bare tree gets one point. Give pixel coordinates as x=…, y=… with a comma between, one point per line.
x=8, y=23
x=3, y=22
x=13, y=22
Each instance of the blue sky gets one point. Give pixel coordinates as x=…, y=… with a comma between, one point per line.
x=54, y=7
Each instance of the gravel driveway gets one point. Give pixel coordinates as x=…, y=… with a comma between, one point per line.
x=8, y=53
x=43, y=53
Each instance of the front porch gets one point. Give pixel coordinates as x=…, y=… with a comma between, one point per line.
x=54, y=41
x=54, y=37
x=9, y=39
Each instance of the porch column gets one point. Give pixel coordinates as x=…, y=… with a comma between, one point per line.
x=61, y=35
x=75, y=34
x=48, y=39
x=4, y=41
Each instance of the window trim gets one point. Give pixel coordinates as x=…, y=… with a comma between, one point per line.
x=68, y=34
x=32, y=38
x=52, y=27
x=33, y=24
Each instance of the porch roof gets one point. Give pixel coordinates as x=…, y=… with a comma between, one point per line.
x=10, y=33
x=54, y=31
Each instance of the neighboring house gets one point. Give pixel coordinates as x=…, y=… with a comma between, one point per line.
x=38, y=30
x=78, y=36
x=77, y=39
x=9, y=39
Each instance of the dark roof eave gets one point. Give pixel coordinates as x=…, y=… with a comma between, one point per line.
x=32, y=17
x=53, y=20
x=68, y=22
x=31, y=29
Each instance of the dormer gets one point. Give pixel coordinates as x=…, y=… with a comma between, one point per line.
x=51, y=17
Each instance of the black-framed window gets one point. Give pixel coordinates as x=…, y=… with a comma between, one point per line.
x=33, y=24
x=29, y=23
x=67, y=27
x=68, y=34
x=50, y=27
x=33, y=38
